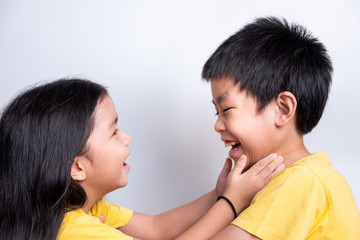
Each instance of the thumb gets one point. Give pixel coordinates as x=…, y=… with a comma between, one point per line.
x=226, y=168
x=102, y=218
x=240, y=165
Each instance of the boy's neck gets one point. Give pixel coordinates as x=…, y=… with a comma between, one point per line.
x=293, y=151
x=294, y=156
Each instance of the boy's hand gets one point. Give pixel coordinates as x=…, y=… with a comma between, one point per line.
x=242, y=187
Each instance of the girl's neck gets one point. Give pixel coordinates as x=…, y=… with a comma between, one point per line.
x=90, y=201
x=86, y=208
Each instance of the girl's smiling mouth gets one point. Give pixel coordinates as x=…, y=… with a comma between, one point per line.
x=125, y=164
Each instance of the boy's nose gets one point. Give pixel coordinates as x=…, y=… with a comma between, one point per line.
x=219, y=125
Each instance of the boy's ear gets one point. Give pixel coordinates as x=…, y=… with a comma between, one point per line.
x=285, y=108
x=78, y=169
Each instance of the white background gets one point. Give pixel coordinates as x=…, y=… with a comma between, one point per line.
x=150, y=54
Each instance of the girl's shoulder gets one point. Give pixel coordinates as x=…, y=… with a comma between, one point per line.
x=79, y=225
x=115, y=216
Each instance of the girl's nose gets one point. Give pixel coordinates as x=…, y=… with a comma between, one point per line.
x=126, y=138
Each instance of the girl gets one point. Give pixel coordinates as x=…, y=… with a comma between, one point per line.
x=61, y=151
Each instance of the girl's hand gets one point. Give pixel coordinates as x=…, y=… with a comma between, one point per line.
x=222, y=179
x=241, y=186
x=101, y=218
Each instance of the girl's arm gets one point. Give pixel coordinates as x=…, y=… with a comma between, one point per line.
x=240, y=189
x=171, y=224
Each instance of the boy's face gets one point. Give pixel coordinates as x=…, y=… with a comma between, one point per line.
x=239, y=123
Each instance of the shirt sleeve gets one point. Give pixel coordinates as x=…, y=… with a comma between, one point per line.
x=115, y=216
x=84, y=227
x=286, y=208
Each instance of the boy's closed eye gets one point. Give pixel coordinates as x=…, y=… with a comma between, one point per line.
x=226, y=109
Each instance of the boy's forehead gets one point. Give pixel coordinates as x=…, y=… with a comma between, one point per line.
x=223, y=88
x=220, y=98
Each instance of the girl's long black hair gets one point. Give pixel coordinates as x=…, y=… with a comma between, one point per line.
x=41, y=132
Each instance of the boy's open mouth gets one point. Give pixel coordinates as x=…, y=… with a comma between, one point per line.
x=234, y=145
x=234, y=151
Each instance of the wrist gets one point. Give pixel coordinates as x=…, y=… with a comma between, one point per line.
x=230, y=204
x=238, y=201
x=213, y=196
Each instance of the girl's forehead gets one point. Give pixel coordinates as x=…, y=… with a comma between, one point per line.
x=105, y=110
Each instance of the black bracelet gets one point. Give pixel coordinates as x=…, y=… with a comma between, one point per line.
x=232, y=206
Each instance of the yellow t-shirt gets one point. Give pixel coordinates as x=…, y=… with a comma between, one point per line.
x=79, y=225
x=309, y=200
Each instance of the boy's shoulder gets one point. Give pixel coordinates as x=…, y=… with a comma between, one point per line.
x=310, y=191
x=316, y=166
x=306, y=176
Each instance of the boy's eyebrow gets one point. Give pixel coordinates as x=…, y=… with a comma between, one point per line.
x=220, y=98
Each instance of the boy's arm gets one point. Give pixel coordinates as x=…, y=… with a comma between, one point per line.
x=240, y=190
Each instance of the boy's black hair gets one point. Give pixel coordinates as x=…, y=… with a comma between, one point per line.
x=270, y=56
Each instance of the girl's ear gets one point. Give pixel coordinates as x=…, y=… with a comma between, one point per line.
x=285, y=108
x=78, y=169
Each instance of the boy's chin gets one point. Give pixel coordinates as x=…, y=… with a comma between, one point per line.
x=236, y=158
x=235, y=154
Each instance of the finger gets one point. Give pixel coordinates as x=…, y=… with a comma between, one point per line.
x=261, y=164
x=240, y=165
x=270, y=167
x=102, y=218
x=278, y=169
x=226, y=168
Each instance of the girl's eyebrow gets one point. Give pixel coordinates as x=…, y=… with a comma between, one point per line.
x=114, y=122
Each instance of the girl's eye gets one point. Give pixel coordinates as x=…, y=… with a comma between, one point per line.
x=116, y=132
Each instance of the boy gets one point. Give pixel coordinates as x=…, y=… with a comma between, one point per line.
x=270, y=83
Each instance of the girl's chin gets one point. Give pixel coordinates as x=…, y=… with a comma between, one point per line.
x=124, y=184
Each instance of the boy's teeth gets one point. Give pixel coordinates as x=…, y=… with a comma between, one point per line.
x=230, y=144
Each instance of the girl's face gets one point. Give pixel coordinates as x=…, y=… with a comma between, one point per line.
x=108, y=149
